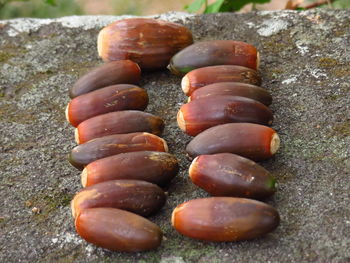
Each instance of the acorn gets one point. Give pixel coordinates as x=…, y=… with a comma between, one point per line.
x=118, y=230
x=154, y=167
x=233, y=89
x=227, y=174
x=115, y=72
x=224, y=219
x=136, y=196
x=214, y=52
x=102, y=147
x=199, y=115
x=253, y=141
x=118, y=122
x=112, y=98
x=201, y=77
x=149, y=42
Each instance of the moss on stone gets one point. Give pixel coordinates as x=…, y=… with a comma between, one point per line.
x=327, y=62
x=342, y=129
x=49, y=202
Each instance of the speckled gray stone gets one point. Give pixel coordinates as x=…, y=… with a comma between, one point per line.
x=305, y=64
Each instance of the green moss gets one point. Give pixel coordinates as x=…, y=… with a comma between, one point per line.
x=342, y=71
x=48, y=203
x=342, y=129
x=4, y=56
x=327, y=62
x=332, y=97
x=3, y=222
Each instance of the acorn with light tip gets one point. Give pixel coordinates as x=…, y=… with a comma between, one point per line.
x=118, y=230
x=111, y=73
x=102, y=147
x=253, y=141
x=149, y=42
x=119, y=122
x=112, y=98
x=136, y=196
x=201, y=77
x=199, y=115
x=214, y=52
x=224, y=219
x=233, y=89
x=150, y=166
x=227, y=174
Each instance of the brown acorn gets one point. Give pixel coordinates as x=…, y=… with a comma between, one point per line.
x=223, y=219
x=233, y=89
x=154, y=167
x=149, y=42
x=118, y=230
x=201, y=77
x=136, y=196
x=112, y=98
x=115, y=72
x=199, y=115
x=227, y=174
x=214, y=52
x=118, y=122
x=253, y=141
x=102, y=147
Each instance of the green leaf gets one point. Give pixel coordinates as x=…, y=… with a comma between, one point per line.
x=50, y=2
x=235, y=5
x=214, y=7
x=195, y=6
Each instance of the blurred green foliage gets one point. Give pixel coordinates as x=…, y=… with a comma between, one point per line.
x=38, y=8
x=341, y=4
x=122, y=7
x=236, y=5
x=221, y=5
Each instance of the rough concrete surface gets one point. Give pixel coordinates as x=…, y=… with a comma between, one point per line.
x=305, y=64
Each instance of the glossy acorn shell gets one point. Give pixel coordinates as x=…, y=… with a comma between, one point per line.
x=118, y=230
x=233, y=89
x=223, y=219
x=227, y=174
x=112, y=98
x=199, y=115
x=154, y=167
x=149, y=42
x=111, y=73
x=102, y=147
x=253, y=141
x=136, y=196
x=214, y=52
x=201, y=77
x=119, y=122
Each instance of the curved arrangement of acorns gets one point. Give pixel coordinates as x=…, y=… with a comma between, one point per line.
x=125, y=162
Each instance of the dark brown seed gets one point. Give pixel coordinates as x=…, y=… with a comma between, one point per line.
x=214, y=52
x=253, y=141
x=136, y=196
x=199, y=115
x=99, y=148
x=201, y=77
x=154, y=167
x=112, y=98
x=222, y=219
x=119, y=122
x=116, y=72
x=149, y=42
x=227, y=174
x=118, y=230
x=233, y=89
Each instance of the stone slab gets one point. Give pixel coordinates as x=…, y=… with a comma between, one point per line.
x=305, y=64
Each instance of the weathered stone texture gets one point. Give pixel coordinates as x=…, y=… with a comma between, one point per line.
x=305, y=65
